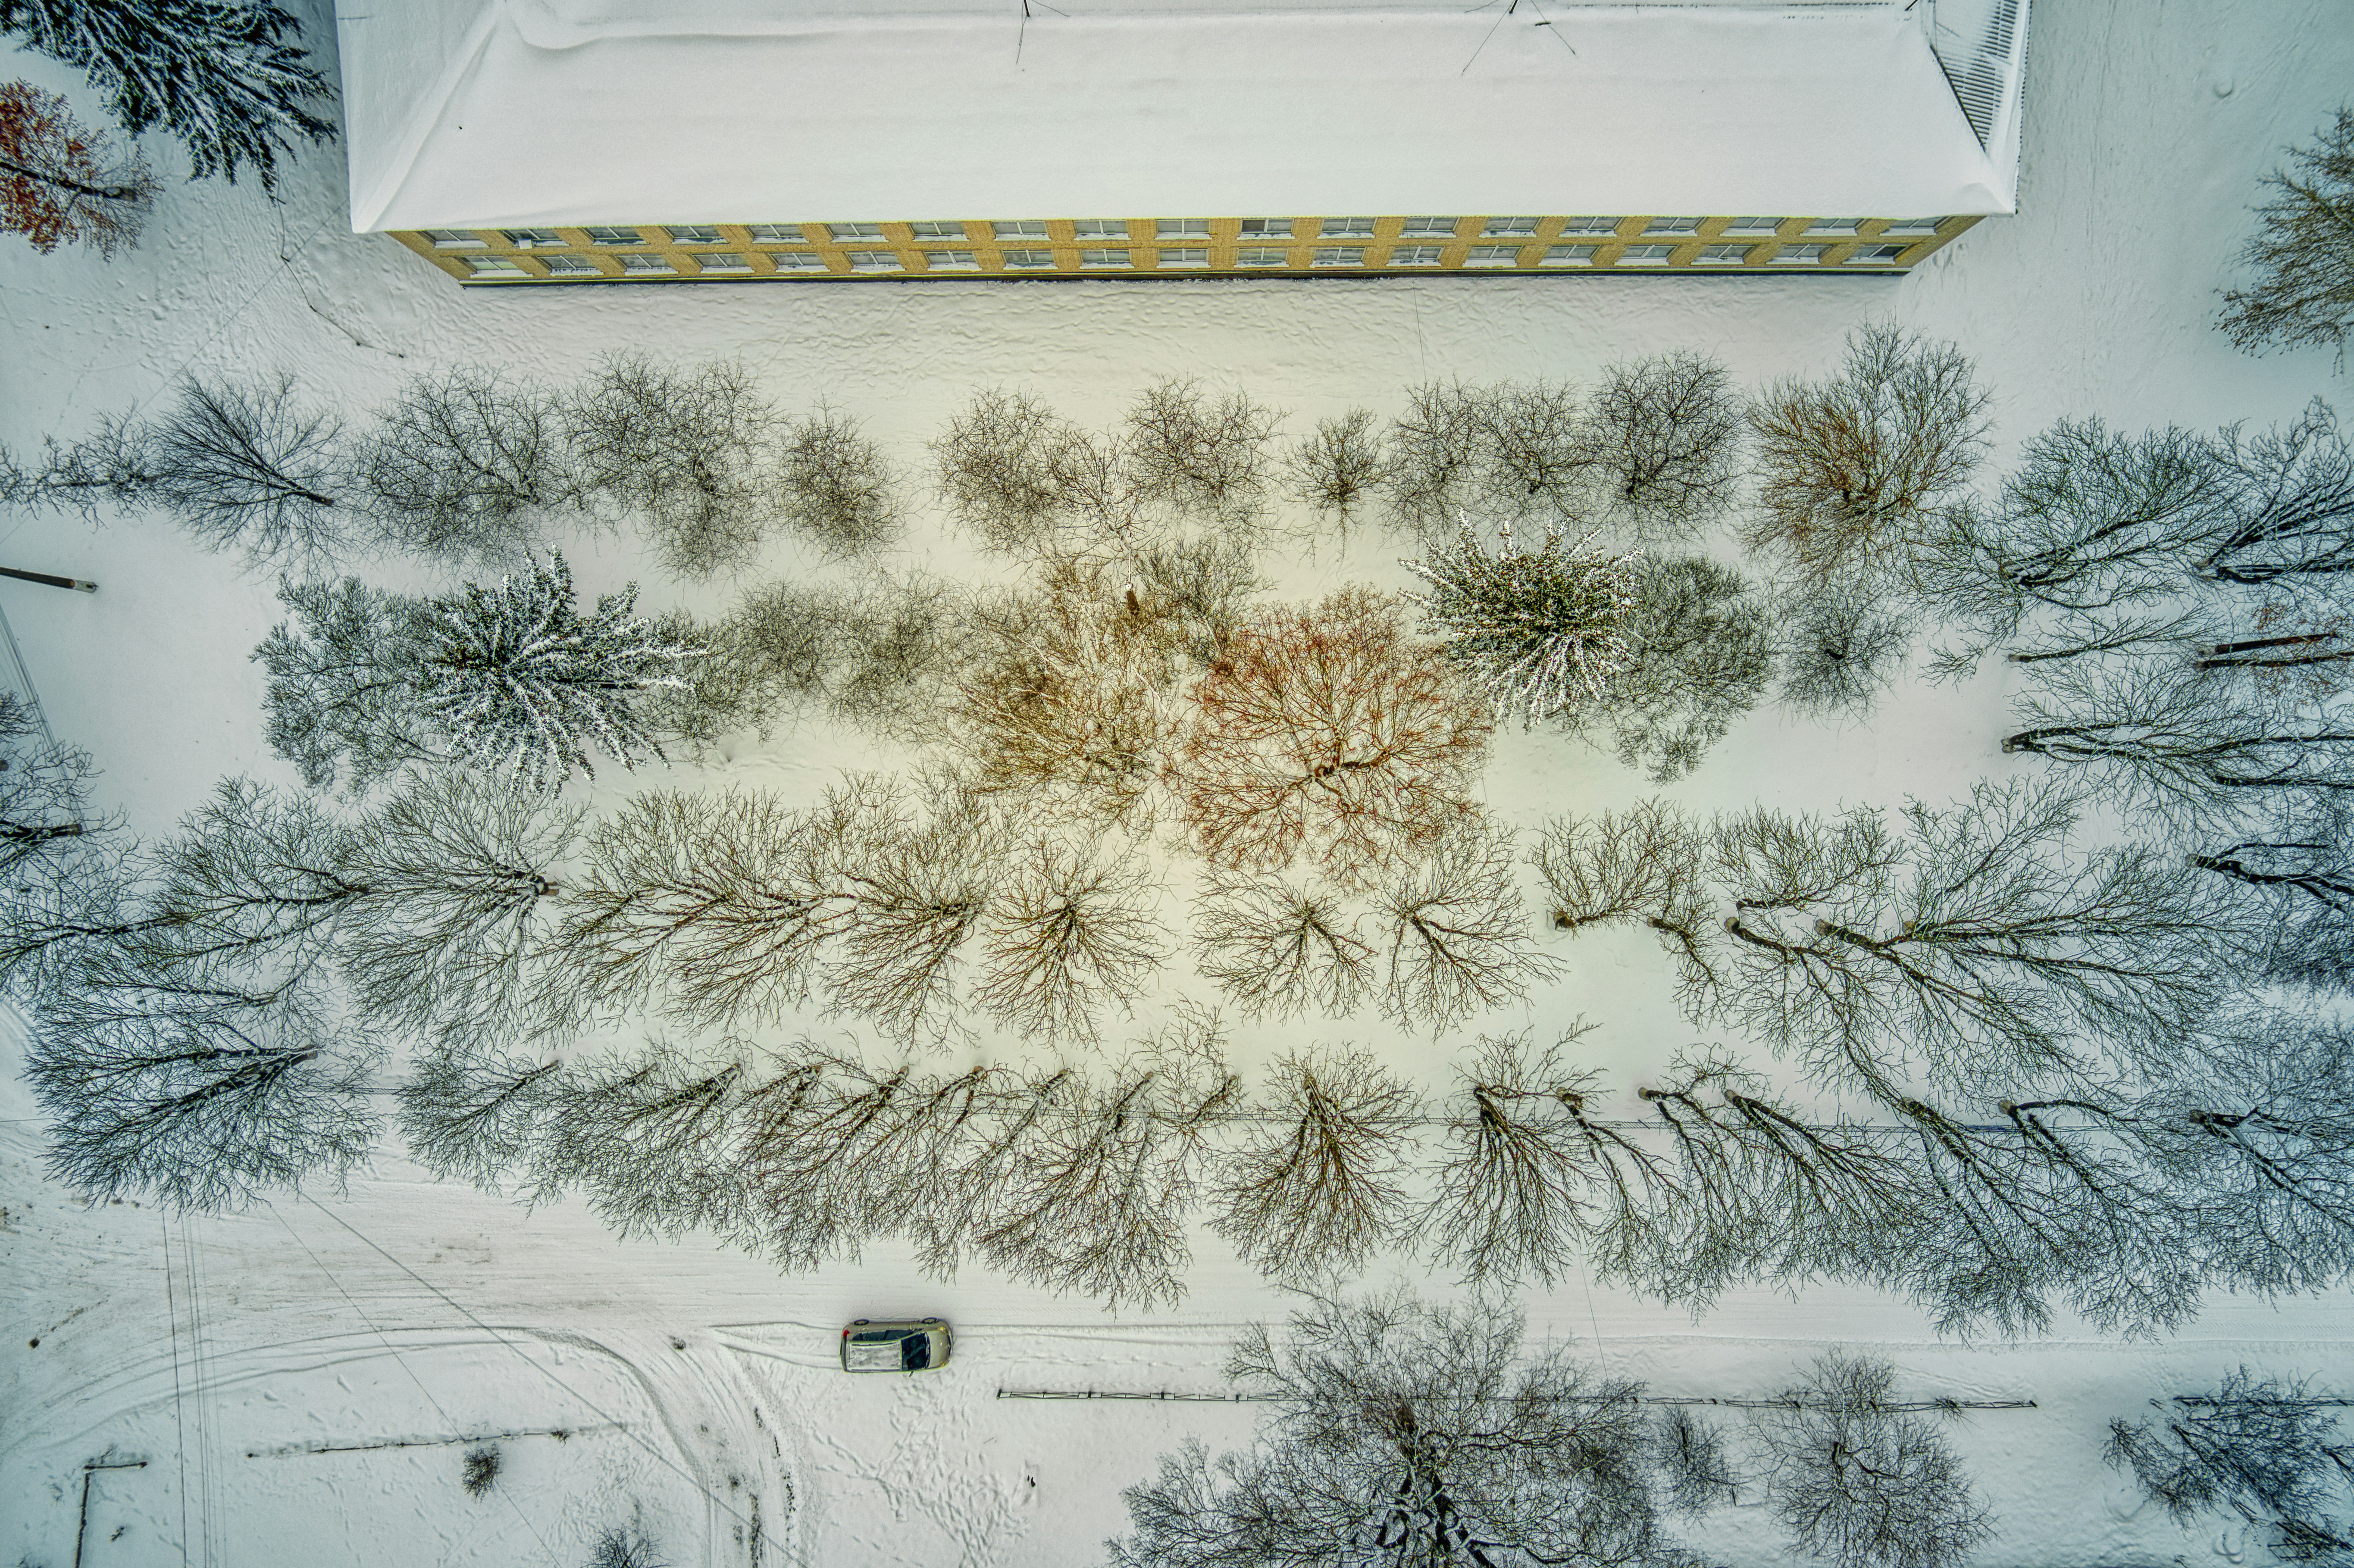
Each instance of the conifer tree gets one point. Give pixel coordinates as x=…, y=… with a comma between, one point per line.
x=1538, y=631
x=226, y=76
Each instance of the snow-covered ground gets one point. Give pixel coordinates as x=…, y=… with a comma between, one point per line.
x=696, y=1385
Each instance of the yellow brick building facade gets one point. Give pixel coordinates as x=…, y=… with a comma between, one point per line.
x=1472, y=244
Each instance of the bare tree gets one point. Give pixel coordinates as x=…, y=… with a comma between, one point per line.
x=1455, y=934
x=1101, y=1207
x=687, y=447
x=462, y=886
x=249, y=466
x=914, y=892
x=2198, y=750
x=45, y=813
x=1701, y=651
x=835, y=485
x=1646, y=865
x=1069, y=935
x=2088, y=545
x=1324, y=1184
x=1664, y=434
x=1071, y=694
x=898, y=650
x=1539, y=452
x=1337, y=467
x=2293, y=507
x=1978, y=950
x=1194, y=593
x=720, y=906
x=465, y=466
x=1862, y=1486
x=774, y=651
x=471, y=1113
x=626, y=1546
x=1400, y=1433
x=1277, y=948
x=644, y=1138
x=1854, y=468
x=2258, y=1446
x=2305, y=289
x=1327, y=730
x=1693, y=1467
x=1844, y=644
x=1200, y=455
x=1435, y=466
x=996, y=468
x=176, y=1080
x=1510, y=1181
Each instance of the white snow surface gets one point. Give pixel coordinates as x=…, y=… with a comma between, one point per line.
x=466, y=114
x=694, y=1381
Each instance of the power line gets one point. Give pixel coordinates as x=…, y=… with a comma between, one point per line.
x=759, y=1535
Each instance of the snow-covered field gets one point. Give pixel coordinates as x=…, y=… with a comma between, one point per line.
x=697, y=1386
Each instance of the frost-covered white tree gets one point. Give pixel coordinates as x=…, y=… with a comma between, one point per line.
x=1538, y=632
x=512, y=677
x=228, y=80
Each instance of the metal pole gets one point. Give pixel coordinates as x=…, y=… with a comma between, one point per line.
x=46, y=580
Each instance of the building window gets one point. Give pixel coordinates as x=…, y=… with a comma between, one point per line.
x=1506, y=227
x=1721, y=256
x=641, y=261
x=494, y=266
x=530, y=238
x=1789, y=253
x=1026, y=228
x=1833, y=226
x=1339, y=256
x=721, y=261
x=1493, y=256
x=694, y=234
x=873, y=261
x=1430, y=227
x=1103, y=258
x=1028, y=260
x=571, y=266
x=1569, y=256
x=614, y=236
x=1333, y=225
x=1180, y=228
x=1651, y=255
x=1754, y=226
x=1185, y=256
x=1416, y=255
x=1912, y=226
x=1672, y=226
x=777, y=234
x=1101, y=227
x=951, y=261
x=1876, y=255
x=797, y=261
x=1272, y=227
x=937, y=230
x=1262, y=257
x=454, y=238
x=844, y=231
x=1590, y=226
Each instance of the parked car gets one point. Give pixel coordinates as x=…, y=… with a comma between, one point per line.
x=890, y=1345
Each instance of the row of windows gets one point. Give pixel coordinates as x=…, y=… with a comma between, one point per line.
x=1166, y=228
x=639, y=264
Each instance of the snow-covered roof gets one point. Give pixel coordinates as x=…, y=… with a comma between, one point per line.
x=484, y=112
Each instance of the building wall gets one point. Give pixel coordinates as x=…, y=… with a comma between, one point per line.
x=1181, y=247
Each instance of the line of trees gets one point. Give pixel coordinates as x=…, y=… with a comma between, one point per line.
x=468, y=466
x=1398, y=1432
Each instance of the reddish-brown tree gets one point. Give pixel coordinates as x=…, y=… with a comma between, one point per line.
x=1328, y=730
x=59, y=181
